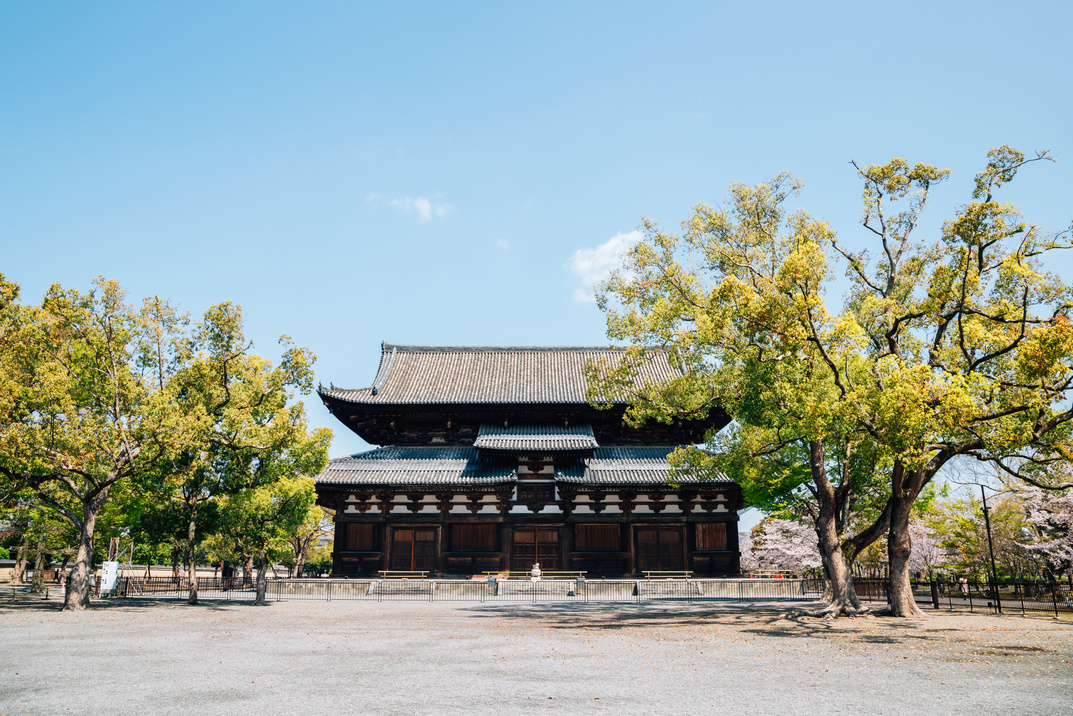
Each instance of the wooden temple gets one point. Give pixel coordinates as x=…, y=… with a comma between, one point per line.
x=492, y=459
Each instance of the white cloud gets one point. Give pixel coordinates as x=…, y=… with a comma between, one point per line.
x=423, y=207
x=595, y=264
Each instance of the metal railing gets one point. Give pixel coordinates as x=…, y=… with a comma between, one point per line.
x=1024, y=596
x=491, y=590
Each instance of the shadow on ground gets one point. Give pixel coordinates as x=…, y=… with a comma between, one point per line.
x=762, y=619
x=36, y=603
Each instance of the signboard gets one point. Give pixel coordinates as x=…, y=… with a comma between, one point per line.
x=109, y=572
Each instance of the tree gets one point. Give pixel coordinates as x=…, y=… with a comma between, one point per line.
x=1050, y=516
x=959, y=347
x=251, y=430
x=747, y=558
x=737, y=303
x=786, y=546
x=101, y=398
x=928, y=552
x=79, y=417
x=261, y=520
x=318, y=524
x=960, y=528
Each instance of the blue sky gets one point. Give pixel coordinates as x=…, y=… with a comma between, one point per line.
x=427, y=173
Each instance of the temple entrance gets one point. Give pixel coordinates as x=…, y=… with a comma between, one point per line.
x=659, y=549
x=413, y=549
x=535, y=544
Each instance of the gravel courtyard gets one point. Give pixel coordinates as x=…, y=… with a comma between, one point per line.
x=428, y=658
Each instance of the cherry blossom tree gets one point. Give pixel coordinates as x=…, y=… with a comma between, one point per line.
x=784, y=545
x=1051, y=516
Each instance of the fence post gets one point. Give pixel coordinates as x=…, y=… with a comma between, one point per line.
x=328, y=591
x=1054, y=597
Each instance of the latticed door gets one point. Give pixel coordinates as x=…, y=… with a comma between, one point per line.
x=413, y=549
x=535, y=544
x=659, y=549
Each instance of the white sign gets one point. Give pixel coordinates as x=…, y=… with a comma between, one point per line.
x=108, y=576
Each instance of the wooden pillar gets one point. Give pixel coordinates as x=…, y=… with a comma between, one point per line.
x=338, y=544
x=567, y=546
x=632, y=566
x=385, y=549
x=441, y=558
x=504, y=545
x=686, y=549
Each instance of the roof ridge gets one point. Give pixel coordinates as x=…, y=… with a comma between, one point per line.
x=386, y=347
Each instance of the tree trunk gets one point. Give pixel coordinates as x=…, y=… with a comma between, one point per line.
x=38, y=585
x=176, y=550
x=841, y=594
x=19, y=575
x=302, y=546
x=899, y=547
x=191, y=533
x=78, y=579
x=61, y=575
x=262, y=580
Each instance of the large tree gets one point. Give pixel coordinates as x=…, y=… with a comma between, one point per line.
x=252, y=430
x=79, y=414
x=960, y=346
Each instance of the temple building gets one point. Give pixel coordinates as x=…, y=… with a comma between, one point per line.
x=491, y=459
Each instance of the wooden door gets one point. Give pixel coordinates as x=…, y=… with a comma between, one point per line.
x=659, y=549
x=413, y=549
x=535, y=544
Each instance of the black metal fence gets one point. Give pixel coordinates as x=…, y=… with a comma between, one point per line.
x=491, y=590
x=1021, y=596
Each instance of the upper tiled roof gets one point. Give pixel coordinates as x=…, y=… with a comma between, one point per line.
x=469, y=375
x=458, y=466
x=546, y=438
x=626, y=466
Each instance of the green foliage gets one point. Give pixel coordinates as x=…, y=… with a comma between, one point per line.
x=962, y=533
x=119, y=419
x=260, y=520
x=958, y=347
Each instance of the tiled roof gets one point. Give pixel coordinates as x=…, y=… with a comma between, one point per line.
x=401, y=466
x=626, y=466
x=549, y=438
x=429, y=374
x=463, y=467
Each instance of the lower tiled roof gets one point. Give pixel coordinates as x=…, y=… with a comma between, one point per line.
x=403, y=466
x=546, y=438
x=627, y=466
x=464, y=467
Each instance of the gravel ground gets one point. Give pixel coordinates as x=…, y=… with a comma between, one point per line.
x=428, y=658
